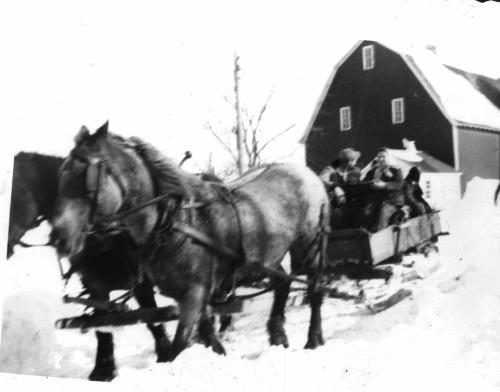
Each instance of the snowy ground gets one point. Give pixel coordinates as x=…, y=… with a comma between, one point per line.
x=442, y=337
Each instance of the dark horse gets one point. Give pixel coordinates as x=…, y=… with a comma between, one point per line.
x=107, y=264
x=196, y=240
x=34, y=190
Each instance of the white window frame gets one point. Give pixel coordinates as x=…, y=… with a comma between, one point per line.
x=368, y=57
x=345, y=118
x=398, y=114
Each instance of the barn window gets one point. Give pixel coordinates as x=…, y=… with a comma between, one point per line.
x=368, y=57
x=345, y=118
x=398, y=110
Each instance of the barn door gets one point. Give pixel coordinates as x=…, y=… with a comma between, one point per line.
x=479, y=155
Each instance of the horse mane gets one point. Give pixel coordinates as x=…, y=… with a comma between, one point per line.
x=168, y=176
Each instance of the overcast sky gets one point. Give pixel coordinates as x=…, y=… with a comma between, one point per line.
x=161, y=69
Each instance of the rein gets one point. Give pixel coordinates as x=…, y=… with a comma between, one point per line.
x=166, y=222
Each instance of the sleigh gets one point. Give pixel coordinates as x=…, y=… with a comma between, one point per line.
x=350, y=246
x=358, y=245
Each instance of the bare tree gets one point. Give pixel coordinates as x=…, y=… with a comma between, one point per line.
x=247, y=149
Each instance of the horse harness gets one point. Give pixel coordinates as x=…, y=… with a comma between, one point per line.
x=96, y=171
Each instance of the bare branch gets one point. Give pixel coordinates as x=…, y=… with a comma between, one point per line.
x=245, y=144
x=255, y=147
x=287, y=155
x=219, y=139
x=263, y=110
x=247, y=116
x=228, y=100
x=275, y=137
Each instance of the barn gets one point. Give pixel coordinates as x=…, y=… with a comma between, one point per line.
x=378, y=95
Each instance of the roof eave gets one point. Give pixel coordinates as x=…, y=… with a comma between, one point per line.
x=325, y=90
x=462, y=124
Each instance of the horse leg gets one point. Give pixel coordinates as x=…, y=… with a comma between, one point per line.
x=275, y=324
x=192, y=308
x=207, y=334
x=104, y=369
x=226, y=320
x=315, y=298
x=144, y=295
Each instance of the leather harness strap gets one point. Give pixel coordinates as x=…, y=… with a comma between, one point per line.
x=205, y=240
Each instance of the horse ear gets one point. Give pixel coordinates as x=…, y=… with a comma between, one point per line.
x=103, y=130
x=82, y=135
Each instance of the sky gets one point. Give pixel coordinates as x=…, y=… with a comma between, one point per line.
x=162, y=70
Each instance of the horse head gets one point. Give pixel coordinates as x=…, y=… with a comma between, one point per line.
x=102, y=175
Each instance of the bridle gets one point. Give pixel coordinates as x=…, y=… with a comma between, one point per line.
x=96, y=171
x=95, y=174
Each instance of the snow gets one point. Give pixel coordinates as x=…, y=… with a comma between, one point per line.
x=445, y=336
x=460, y=100
x=405, y=155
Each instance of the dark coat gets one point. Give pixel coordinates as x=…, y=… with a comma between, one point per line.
x=414, y=197
x=393, y=193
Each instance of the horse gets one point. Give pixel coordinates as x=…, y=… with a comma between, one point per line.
x=34, y=192
x=196, y=237
x=34, y=189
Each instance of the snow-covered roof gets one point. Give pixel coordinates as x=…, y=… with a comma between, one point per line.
x=457, y=98
x=405, y=159
x=489, y=87
x=460, y=101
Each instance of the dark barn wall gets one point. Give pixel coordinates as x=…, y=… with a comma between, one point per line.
x=369, y=93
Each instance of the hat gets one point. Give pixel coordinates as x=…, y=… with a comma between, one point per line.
x=349, y=154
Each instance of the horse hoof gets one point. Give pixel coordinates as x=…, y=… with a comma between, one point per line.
x=218, y=348
x=162, y=356
x=173, y=353
x=226, y=324
x=314, y=341
x=278, y=340
x=103, y=374
x=162, y=352
x=277, y=335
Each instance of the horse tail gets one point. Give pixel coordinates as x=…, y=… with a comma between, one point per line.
x=497, y=192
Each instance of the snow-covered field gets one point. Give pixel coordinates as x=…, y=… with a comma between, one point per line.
x=442, y=337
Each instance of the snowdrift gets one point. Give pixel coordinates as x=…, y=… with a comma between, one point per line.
x=443, y=337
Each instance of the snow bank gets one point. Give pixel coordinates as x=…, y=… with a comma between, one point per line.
x=443, y=337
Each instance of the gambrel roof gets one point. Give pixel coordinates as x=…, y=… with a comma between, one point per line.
x=489, y=87
x=460, y=102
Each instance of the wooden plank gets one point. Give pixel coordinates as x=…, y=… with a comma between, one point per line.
x=375, y=248
x=97, y=304
x=389, y=301
x=117, y=319
x=382, y=245
x=349, y=244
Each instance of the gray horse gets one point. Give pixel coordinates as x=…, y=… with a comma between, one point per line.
x=200, y=236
